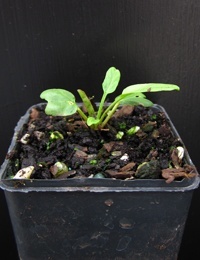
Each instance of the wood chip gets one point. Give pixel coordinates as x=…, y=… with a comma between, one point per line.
x=34, y=114
x=120, y=175
x=66, y=175
x=109, y=146
x=125, y=110
x=127, y=167
x=170, y=174
x=81, y=154
x=175, y=159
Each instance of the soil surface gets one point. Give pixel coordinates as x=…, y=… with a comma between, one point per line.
x=64, y=147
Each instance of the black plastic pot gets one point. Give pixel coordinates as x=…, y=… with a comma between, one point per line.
x=97, y=218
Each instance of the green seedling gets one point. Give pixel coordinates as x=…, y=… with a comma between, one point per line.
x=153, y=117
x=62, y=102
x=119, y=135
x=93, y=162
x=133, y=130
x=122, y=125
x=53, y=137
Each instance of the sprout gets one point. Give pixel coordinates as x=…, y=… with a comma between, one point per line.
x=55, y=136
x=93, y=162
x=119, y=135
x=133, y=130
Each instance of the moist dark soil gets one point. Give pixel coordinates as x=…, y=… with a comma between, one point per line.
x=49, y=143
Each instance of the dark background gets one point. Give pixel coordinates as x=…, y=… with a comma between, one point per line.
x=71, y=43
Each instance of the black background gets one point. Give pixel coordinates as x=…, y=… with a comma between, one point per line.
x=71, y=43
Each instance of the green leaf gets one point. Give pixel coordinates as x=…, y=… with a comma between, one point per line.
x=111, y=80
x=135, y=101
x=92, y=121
x=150, y=87
x=109, y=85
x=131, y=95
x=60, y=102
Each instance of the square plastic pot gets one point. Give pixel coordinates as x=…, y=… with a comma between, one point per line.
x=97, y=218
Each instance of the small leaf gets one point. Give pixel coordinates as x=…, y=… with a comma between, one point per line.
x=111, y=80
x=86, y=101
x=92, y=121
x=60, y=102
x=150, y=87
x=133, y=130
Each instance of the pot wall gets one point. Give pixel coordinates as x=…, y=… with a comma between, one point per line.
x=108, y=225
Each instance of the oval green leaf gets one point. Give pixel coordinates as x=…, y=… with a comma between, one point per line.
x=111, y=80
